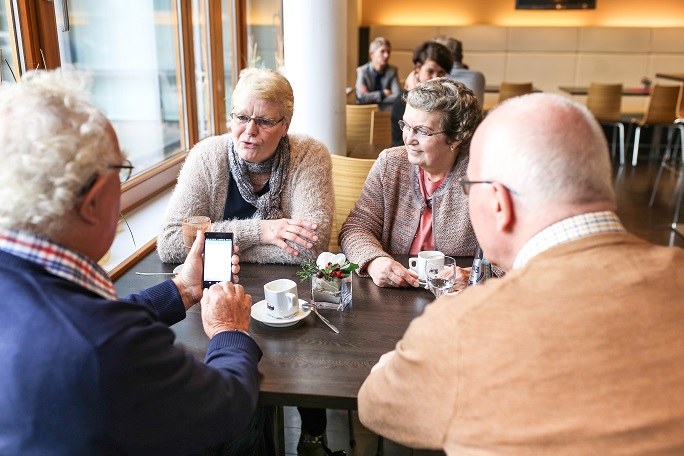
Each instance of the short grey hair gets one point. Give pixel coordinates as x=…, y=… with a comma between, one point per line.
x=461, y=112
x=549, y=149
x=266, y=84
x=377, y=43
x=52, y=142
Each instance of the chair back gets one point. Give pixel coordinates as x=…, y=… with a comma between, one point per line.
x=359, y=124
x=381, y=129
x=513, y=89
x=348, y=175
x=605, y=101
x=680, y=102
x=662, y=107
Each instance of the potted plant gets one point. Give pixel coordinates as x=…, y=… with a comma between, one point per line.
x=331, y=279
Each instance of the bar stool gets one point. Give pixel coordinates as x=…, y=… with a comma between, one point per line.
x=605, y=103
x=659, y=113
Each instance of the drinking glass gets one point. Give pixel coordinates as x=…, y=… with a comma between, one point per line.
x=440, y=278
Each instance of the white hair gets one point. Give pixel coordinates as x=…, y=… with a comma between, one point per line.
x=548, y=149
x=52, y=142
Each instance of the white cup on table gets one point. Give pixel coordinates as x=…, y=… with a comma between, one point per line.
x=425, y=259
x=281, y=298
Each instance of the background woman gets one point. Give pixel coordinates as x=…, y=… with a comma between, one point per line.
x=431, y=60
x=271, y=189
x=411, y=200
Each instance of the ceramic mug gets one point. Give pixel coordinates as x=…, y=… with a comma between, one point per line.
x=281, y=298
x=424, y=259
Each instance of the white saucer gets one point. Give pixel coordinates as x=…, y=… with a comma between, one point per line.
x=259, y=314
x=177, y=269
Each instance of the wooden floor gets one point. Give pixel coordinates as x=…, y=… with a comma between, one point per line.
x=633, y=188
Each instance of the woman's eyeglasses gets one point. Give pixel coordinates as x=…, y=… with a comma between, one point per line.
x=262, y=122
x=420, y=131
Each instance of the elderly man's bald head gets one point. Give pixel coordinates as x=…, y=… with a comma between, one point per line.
x=548, y=149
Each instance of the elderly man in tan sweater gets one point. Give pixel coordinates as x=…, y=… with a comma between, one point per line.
x=579, y=349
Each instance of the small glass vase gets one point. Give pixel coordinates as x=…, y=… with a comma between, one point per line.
x=332, y=293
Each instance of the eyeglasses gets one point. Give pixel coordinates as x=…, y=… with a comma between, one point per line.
x=125, y=170
x=262, y=122
x=124, y=174
x=465, y=185
x=420, y=131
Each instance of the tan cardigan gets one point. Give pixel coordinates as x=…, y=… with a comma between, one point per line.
x=579, y=352
x=386, y=216
x=202, y=189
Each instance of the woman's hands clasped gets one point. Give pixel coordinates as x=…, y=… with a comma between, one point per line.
x=277, y=232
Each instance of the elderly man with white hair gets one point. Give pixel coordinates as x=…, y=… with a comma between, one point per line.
x=81, y=370
x=578, y=350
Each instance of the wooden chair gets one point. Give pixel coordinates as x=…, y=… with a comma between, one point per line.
x=348, y=175
x=513, y=89
x=359, y=125
x=661, y=112
x=605, y=102
x=381, y=129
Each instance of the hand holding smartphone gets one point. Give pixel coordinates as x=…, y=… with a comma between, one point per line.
x=218, y=254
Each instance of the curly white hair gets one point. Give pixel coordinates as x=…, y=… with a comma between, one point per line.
x=52, y=142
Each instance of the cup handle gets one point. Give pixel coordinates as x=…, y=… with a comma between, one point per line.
x=292, y=298
x=413, y=263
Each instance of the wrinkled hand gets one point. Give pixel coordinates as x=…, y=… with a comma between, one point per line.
x=461, y=278
x=276, y=232
x=386, y=272
x=225, y=307
x=189, y=280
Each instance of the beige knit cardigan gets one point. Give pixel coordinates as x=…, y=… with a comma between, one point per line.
x=202, y=189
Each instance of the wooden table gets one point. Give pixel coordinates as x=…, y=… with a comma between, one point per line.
x=674, y=76
x=307, y=364
x=626, y=91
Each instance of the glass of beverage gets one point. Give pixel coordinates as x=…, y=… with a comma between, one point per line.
x=191, y=225
x=441, y=278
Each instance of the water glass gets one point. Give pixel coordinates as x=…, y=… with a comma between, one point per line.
x=441, y=278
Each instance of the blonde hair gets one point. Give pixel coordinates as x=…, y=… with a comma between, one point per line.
x=266, y=84
x=52, y=142
x=377, y=43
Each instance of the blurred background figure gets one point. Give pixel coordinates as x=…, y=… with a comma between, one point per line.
x=460, y=72
x=377, y=81
x=430, y=60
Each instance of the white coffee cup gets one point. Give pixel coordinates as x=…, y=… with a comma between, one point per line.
x=281, y=298
x=423, y=260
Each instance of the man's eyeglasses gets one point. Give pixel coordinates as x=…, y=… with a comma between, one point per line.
x=465, y=185
x=125, y=170
x=262, y=122
x=420, y=131
x=124, y=174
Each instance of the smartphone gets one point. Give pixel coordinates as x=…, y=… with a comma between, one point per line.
x=218, y=252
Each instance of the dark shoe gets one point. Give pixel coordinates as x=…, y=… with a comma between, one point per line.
x=310, y=445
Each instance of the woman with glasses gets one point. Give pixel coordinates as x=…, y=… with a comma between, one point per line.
x=412, y=200
x=271, y=189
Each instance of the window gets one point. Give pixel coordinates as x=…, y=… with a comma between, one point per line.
x=6, y=53
x=128, y=47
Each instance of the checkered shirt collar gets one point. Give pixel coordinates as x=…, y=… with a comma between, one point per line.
x=58, y=260
x=567, y=230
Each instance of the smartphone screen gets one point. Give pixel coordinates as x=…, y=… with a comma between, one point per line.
x=218, y=251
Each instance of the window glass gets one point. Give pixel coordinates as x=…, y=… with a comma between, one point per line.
x=200, y=39
x=129, y=48
x=5, y=46
x=264, y=33
x=229, y=62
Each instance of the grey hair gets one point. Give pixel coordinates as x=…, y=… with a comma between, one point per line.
x=52, y=142
x=377, y=43
x=266, y=84
x=458, y=104
x=550, y=150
